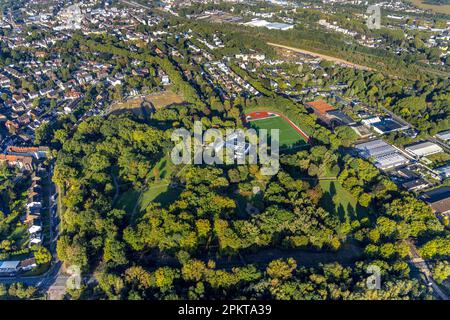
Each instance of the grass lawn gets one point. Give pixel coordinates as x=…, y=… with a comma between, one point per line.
x=127, y=200
x=131, y=105
x=434, y=7
x=164, y=99
x=288, y=135
x=139, y=105
x=347, y=207
x=157, y=191
x=163, y=169
x=439, y=159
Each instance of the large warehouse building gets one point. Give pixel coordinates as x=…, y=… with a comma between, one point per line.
x=423, y=149
x=444, y=136
x=382, y=155
x=269, y=25
x=329, y=115
x=444, y=171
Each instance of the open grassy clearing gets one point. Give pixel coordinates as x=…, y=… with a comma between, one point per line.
x=127, y=200
x=157, y=191
x=163, y=99
x=162, y=194
x=436, y=8
x=288, y=135
x=345, y=205
x=142, y=105
x=321, y=56
x=133, y=105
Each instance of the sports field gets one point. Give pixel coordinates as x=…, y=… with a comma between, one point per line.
x=289, y=134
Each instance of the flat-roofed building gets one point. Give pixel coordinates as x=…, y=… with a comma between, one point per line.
x=329, y=115
x=423, y=149
x=438, y=199
x=415, y=185
x=362, y=131
x=381, y=154
x=383, y=125
x=9, y=266
x=444, y=136
x=269, y=25
x=444, y=171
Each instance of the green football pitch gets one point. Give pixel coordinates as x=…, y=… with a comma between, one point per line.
x=288, y=135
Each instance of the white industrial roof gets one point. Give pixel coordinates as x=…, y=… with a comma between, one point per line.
x=383, y=154
x=374, y=148
x=9, y=264
x=444, y=135
x=423, y=148
x=444, y=170
x=390, y=160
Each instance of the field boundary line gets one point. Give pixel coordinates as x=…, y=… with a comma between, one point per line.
x=291, y=123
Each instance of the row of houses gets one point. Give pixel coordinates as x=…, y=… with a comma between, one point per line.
x=34, y=209
x=232, y=84
x=26, y=158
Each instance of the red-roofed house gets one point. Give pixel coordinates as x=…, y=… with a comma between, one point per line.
x=35, y=152
x=23, y=162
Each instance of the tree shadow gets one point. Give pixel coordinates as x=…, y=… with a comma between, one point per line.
x=351, y=211
x=361, y=212
x=341, y=213
x=167, y=197
x=327, y=199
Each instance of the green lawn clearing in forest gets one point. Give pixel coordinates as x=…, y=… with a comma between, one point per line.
x=346, y=206
x=163, y=99
x=288, y=135
x=157, y=191
x=127, y=200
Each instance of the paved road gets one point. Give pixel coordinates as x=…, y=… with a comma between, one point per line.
x=54, y=275
x=402, y=150
x=41, y=281
x=403, y=121
x=421, y=264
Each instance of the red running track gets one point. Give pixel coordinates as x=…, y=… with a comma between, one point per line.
x=256, y=115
